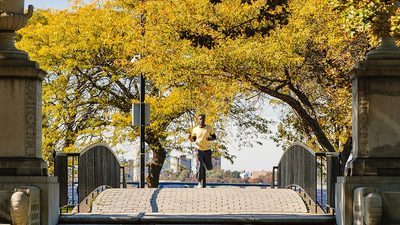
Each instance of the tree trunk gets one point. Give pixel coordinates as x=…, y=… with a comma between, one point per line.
x=156, y=164
x=345, y=154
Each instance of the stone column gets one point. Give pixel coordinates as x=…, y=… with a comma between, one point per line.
x=20, y=118
x=370, y=194
x=376, y=113
x=21, y=163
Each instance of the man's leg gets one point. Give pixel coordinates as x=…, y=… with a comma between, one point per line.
x=207, y=163
x=207, y=159
x=201, y=170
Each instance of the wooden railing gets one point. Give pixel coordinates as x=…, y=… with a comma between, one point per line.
x=86, y=205
x=85, y=171
x=313, y=173
x=297, y=166
x=313, y=207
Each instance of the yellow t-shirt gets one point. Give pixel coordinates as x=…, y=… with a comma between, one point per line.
x=201, y=134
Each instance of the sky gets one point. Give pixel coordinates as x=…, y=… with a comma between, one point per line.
x=260, y=157
x=45, y=4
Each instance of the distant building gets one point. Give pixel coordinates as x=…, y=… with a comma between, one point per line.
x=185, y=163
x=170, y=164
x=257, y=174
x=129, y=170
x=245, y=174
x=216, y=162
x=136, y=165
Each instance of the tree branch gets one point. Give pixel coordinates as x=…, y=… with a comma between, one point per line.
x=306, y=118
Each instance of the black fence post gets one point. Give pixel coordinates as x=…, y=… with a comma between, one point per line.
x=275, y=182
x=123, y=177
x=61, y=172
x=333, y=169
x=321, y=156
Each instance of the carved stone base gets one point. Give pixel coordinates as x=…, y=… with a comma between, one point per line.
x=5, y=197
x=383, y=166
x=387, y=187
x=22, y=166
x=49, y=195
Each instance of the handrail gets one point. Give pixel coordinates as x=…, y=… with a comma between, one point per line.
x=310, y=204
x=66, y=167
x=86, y=205
x=317, y=174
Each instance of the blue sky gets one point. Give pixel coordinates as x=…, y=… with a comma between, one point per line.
x=45, y=4
x=262, y=157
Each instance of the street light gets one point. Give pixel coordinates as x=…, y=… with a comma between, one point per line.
x=142, y=125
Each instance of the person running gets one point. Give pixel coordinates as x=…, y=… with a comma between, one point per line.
x=203, y=135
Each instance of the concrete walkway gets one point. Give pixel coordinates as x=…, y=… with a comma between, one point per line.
x=199, y=201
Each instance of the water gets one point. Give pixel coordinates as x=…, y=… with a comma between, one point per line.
x=324, y=198
x=73, y=201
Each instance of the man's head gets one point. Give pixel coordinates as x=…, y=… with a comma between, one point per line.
x=201, y=119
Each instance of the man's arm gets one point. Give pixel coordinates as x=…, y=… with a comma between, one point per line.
x=192, y=138
x=212, y=137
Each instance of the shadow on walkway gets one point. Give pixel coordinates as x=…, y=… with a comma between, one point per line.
x=153, y=200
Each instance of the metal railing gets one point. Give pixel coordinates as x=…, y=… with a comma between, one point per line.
x=65, y=168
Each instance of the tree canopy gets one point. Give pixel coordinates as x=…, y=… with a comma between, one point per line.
x=377, y=18
x=299, y=53
x=92, y=82
x=209, y=56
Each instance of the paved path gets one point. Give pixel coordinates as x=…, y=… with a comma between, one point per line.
x=199, y=201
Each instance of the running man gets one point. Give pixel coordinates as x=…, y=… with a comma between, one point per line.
x=203, y=135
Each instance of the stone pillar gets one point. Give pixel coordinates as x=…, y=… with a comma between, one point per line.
x=371, y=191
x=21, y=162
x=20, y=118
x=376, y=113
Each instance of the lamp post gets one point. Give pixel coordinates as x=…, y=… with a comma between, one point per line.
x=142, y=130
x=142, y=125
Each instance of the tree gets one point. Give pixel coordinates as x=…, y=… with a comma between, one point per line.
x=299, y=54
x=202, y=55
x=92, y=83
x=375, y=18
x=183, y=175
